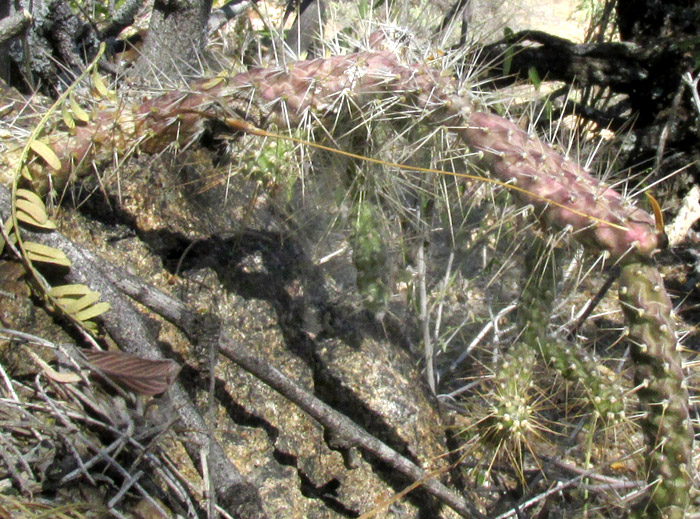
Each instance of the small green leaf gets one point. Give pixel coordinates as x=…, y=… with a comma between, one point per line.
x=31, y=204
x=534, y=77
x=510, y=51
x=43, y=250
x=69, y=290
x=363, y=8
x=35, y=213
x=72, y=306
x=54, y=260
x=100, y=86
x=67, y=117
x=90, y=326
x=93, y=311
x=45, y=152
x=79, y=113
x=44, y=254
x=30, y=196
x=25, y=215
x=10, y=234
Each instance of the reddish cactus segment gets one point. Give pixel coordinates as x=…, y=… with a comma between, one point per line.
x=323, y=86
x=328, y=87
x=346, y=84
x=516, y=157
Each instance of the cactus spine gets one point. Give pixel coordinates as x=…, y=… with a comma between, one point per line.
x=563, y=194
x=513, y=416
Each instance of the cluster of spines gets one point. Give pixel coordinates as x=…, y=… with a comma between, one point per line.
x=564, y=195
x=604, y=392
x=584, y=205
x=511, y=419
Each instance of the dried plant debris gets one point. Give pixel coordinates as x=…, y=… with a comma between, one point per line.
x=58, y=430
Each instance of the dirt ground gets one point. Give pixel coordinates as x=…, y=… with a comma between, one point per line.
x=558, y=17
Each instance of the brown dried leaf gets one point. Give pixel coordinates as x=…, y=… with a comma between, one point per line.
x=146, y=376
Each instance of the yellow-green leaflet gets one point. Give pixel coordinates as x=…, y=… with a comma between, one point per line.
x=39, y=252
x=31, y=210
x=73, y=305
x=100, y=86
x=45, y=152
x=69, y=290
x=67, y=117
x=8, y=231
x=79, y=113
x=93, y=311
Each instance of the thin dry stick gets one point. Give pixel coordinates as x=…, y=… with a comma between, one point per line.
x=424, y=317
x=443, y=291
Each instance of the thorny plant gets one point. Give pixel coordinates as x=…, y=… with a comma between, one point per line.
x=395, y=134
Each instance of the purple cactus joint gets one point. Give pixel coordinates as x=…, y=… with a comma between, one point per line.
x=583, y=203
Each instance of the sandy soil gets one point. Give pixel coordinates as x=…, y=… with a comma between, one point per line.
x=558, y=17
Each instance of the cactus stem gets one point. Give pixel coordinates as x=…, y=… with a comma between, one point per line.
x=660, y=387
